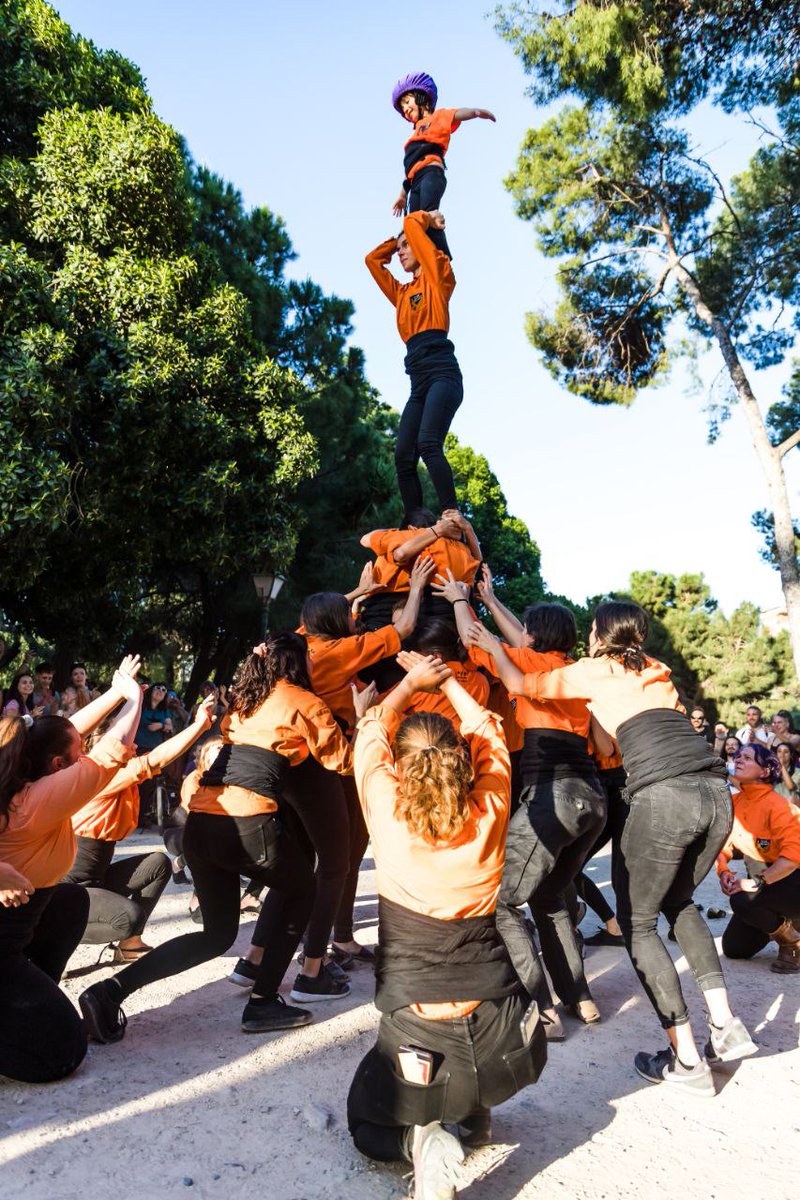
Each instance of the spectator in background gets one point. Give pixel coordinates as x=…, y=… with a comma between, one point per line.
x=721, y=732
x=69, y=702
x=79, y=680
x=19, y=699
x=700, y=725
x=210, y=689
x=783, y=729
x=43, y=693
x=754, y=729
x=155, y=722
x=789, y=783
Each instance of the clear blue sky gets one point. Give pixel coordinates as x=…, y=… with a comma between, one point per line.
x=291, y=102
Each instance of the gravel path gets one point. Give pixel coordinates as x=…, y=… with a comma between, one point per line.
x=189, y=1106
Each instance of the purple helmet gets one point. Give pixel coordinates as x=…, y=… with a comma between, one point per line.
x=415, y=83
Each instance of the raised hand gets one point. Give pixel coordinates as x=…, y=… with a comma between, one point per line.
x=399, y=206
x=124, y=680
x=450, y=588
x=424, y=673
x=362, y=701
x=479, y=635
x=485, y=586
x=421, y=572
x=437, y=219
x=205, y=711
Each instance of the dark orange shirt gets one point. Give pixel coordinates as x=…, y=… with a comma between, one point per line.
x=38, y=839
x=765, y=827
x=447, y=553
x=506, y=708
x=113, y=813
x=291, y=722
x=436, y=128
x=424, y=303
x=335, y=662
x=572, y=716
x=471, y=680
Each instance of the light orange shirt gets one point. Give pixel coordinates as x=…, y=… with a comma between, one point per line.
x=445, y=880
x=447, y=553
x=291, y=722
x=611, y=693
x=765, y=826
x=424, y=303
x=335, y=662
x=571, y=716
x=471, y=680
x=38, y=839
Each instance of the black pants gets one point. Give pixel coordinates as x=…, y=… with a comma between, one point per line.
x=317, y=799
x=218, y=850
x=671, y=838
x=41, y=1033
x=548, y=839
x=343, y=924
x=122, y=894
x=424, y=423
x=425, y=193
x=612, y=783
x=479, y=1061
x=756, y=916
x=173, y=841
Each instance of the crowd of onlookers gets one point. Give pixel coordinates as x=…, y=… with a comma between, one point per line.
x=779, y=735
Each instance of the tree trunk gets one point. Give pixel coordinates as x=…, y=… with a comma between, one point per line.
x=769, y=456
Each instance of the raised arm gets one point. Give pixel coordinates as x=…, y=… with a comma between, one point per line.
x=179, y=743
x=421, y=574
x=95, y=712
x=434, y=262
x=509, y=674
x=409, y=550
x=470, y=114
x=510, y=627
x=378, y=266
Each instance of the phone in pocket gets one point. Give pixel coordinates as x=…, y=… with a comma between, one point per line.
x=529, y=1022
x=415, y=1065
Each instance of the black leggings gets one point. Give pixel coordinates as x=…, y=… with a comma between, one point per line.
x=218, y=850
x=122, y=894
x=756, y=916
x=425, y=193
x=424, y=423
x=343, y=925
x=317, y=799
x=41, y=1033
x=173, y=841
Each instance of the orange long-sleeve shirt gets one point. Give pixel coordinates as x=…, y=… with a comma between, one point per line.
x=447, y=554
x=470, y=678
x=38, y=839
x=113, y=812
x=765, y=827
x=291, y=722
x=424, y=303
x=335, y=662
x=611, y=693
x=571, y=716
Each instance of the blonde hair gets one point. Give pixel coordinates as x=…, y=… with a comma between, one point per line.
x=435, y=777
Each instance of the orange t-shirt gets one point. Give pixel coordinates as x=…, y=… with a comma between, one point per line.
x=471, y=680
x=38, y=838
x=445, y=880
x=572, y=716
x=424, y=303
x=505, y=706
x=611, y=693
x=765, y=826
x=335, y=662
x=447, y=553
x=436, y=128
x=291, y=722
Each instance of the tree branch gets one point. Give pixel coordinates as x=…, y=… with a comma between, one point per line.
x=788, y=444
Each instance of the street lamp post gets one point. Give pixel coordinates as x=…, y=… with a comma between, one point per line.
x=267, y=585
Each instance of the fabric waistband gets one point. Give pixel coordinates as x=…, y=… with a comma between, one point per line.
x=417, y=150
x=431, y=350
x=252, y=767
x=555, y=754
x=660, y=744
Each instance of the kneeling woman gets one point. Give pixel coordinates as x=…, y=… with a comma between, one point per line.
x=233, y=829
x=453, y=1039
x=766, y=827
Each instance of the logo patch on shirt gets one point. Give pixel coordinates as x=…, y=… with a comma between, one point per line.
x=415, y=300
x=763, y=843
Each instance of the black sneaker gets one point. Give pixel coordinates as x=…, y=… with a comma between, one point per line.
x=272, y=1014
x=243, y=974
x=331, y=966
x=476, y=1130
x=729, y=1043
x=664, y=1067
x=307, y=990
x=102, y=1014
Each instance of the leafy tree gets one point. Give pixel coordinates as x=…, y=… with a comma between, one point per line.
x=644, y=231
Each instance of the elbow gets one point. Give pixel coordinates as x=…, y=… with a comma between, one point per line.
x=365, y=541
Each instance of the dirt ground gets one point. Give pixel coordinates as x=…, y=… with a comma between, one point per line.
x=189, y=1106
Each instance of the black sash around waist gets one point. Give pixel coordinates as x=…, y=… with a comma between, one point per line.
x=252, y=767
x=429, y=351
x=424, y=960
x=661, y=744
x=555, y=754
x=415, y=152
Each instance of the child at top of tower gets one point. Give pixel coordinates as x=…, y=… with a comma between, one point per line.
x=415, y=98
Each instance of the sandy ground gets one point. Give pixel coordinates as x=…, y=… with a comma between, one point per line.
x=188, y=1105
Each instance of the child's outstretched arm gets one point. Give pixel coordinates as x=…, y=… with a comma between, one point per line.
x=469, y=114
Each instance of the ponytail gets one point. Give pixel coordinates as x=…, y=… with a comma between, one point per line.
x=622, y=627
x=435, y=778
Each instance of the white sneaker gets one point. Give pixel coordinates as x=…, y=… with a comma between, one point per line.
x=436, y=1155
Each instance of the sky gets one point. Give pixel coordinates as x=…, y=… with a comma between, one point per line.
x=291, y=102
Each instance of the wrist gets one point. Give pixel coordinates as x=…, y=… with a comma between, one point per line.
x=461, y=600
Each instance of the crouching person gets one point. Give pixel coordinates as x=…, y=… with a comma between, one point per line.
x=456, y=1036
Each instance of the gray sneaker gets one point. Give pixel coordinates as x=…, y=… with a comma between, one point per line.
x=436, y=1155
x=664, y=1067
x=729, y=1043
